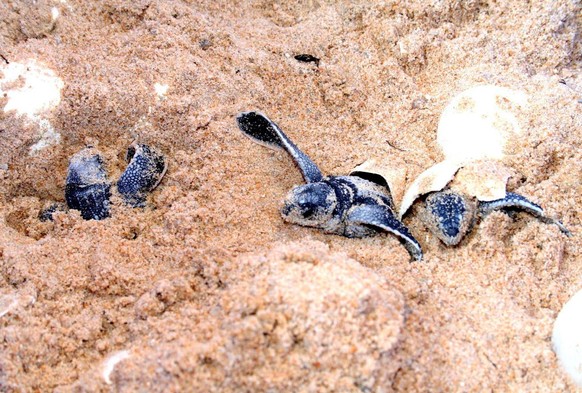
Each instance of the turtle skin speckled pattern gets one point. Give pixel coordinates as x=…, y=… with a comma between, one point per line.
x=88, y=189
x=146, y=168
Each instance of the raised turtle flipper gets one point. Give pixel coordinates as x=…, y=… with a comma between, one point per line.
x=382, y=217
x=262, y=130
x=519, y=202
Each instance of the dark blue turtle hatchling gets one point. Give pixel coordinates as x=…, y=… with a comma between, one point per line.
x=450, y=215
x=88, y=189
x=345, y=205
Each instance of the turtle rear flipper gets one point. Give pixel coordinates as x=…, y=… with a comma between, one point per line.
x=262, y=130
x=519, y=202
x=383, y=218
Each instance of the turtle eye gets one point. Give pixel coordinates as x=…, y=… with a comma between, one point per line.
x=307, y=207
x=308, y=212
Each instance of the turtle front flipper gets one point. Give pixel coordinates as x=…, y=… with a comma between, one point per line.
x=381, y=217
x=519, y=202
x=262, y=130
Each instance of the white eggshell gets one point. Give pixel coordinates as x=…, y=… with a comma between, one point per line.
x=39, y=91
x=567, y=337
x=434, y=178
x=480, y=123
x=32, y=89
x=112, y=361
x=7, y=303
x=485, y=180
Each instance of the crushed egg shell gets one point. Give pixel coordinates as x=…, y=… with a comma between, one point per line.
x=7, y=304
x=394, y=173
x=110, y=363
x=434, y=178
x=161, y=90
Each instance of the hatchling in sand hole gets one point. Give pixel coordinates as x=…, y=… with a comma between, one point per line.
x=477, y=131
x=345, y=205
x=88, y=189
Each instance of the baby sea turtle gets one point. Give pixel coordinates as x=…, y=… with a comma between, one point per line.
x=476, y=132
x=450, y=215
x=345, y=205
x=88, y=189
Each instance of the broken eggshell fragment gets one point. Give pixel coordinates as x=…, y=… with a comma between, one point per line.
x=87, y=188
x=391, y=175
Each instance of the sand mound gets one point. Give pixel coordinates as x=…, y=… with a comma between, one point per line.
x=299, y=319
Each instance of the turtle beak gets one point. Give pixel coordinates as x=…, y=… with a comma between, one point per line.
x=286, y=209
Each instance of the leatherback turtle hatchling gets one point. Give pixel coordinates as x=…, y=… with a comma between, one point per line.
x=477, y=132
x=88, y=188
x=450, y=214
x=345, y=205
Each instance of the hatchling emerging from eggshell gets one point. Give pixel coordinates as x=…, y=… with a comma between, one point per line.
x=345, y=205
x=476, y=131
x=476, y=190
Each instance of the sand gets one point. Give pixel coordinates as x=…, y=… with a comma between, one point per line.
x=207, y=289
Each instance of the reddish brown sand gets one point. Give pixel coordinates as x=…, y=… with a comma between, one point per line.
x=207, y=288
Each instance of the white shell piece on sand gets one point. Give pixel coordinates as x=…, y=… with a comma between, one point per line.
x=110, y=363
x=567, y=337
x=11, y=301
x=477, y=124
x=161, y=89
x=434, y=178
x=485, y=180
x=7, y=304
x=32, y=90
x=393, y=173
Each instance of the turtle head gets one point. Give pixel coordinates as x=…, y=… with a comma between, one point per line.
x=310, y=205
x=449, y=215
